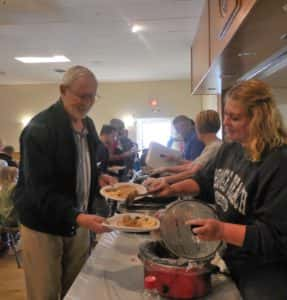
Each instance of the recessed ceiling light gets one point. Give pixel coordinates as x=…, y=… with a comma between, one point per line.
x=41, y=59
x=137, y=28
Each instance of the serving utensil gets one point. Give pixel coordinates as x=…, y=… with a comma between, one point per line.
x=134, y=195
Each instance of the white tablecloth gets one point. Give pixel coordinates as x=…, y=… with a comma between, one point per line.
x=114, y=272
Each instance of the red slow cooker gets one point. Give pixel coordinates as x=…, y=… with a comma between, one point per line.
x=181, y=262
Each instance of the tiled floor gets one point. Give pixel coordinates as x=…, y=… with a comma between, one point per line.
x=12, y=286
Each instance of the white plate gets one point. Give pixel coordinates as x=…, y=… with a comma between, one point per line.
x=140, y=188
x=113, y=223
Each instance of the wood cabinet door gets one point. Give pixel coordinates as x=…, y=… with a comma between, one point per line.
x=225, y=19
x=200, y=56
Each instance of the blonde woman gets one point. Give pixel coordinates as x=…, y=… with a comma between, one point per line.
x=248, y=183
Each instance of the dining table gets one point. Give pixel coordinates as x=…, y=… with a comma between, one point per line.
x=113, y=271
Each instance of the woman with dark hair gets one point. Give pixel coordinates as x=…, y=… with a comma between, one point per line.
x=247, y=182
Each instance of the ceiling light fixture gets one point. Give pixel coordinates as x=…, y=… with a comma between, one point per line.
x=41, y=59
x=137, y=28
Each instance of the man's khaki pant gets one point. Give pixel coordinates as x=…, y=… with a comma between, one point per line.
x=52, y=262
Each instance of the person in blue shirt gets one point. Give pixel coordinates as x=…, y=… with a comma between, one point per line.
x=184, y=126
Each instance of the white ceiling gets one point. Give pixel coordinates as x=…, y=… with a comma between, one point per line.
x=97, y=34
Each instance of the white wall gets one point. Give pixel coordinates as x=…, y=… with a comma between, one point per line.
x=210, y=102
x=116, y=100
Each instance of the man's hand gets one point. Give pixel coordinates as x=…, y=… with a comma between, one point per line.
x=208, y=229
x=105, y=179
x=92, y=222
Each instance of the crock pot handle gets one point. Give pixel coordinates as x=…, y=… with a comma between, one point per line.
x=216, y=270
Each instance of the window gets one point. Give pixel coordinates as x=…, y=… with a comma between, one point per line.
x=153, y=129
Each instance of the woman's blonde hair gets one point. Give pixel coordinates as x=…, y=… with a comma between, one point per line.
x=8, y=176
x=266, y=128
x=207, y=121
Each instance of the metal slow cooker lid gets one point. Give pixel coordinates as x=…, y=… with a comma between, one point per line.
x=179, y=238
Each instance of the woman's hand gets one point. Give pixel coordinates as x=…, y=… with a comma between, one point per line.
x=149, y=181
x=158, y=171
x=208, y=229
x=92, y=222
x=159, y=187
x=155, y=185
x=159, y=213
x=172, y=158
x=105, y=179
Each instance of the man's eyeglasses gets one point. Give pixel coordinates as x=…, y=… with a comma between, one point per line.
x=85, y=97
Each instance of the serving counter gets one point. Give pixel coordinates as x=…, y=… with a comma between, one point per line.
x=114, y=272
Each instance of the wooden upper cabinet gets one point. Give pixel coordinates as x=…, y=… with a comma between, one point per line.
x=219, y=22
x=225, y=17
x=200, y=58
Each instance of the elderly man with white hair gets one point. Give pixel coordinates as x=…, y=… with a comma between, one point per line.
x=58, y=181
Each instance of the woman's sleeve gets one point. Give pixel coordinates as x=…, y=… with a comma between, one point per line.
x=204, y=178
x=267, y=233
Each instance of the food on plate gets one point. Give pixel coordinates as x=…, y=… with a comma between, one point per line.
x=137, y=221
x=122, y=191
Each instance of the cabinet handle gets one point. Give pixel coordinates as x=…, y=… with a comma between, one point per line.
x=223, y=8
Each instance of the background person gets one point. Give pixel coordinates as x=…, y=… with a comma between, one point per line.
x=104, y=152
x=8, y=177
x=8, y=217
x=184, y=126
x=124, y=143
x=7, y=155
x=247, y=181
x=207, y=124
x=124, y=150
